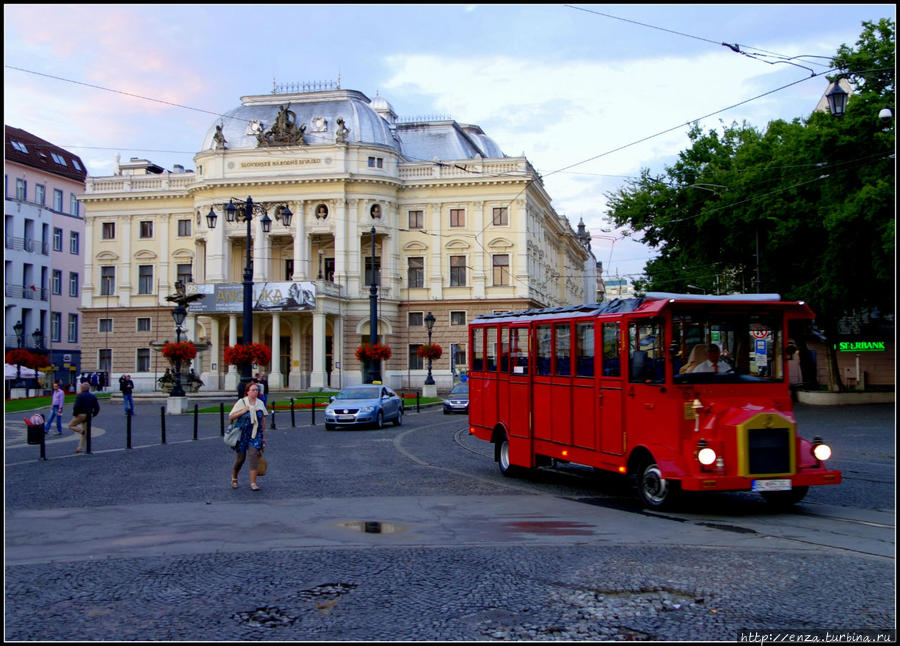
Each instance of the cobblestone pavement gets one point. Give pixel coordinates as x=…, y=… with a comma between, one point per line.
x=152, y=544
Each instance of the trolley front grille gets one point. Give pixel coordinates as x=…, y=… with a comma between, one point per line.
x=769, y=450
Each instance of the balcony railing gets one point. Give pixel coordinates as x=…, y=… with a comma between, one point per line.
x=28, y=292
x=32, y=245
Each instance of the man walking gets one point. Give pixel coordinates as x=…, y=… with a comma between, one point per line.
x=85, y=404
x=126, y=385
x=56, y=406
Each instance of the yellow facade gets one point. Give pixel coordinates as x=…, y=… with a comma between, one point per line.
x=455, y=237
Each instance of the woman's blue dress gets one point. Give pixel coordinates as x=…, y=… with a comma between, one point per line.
x=247, y=431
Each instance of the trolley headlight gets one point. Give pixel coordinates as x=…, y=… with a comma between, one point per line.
x=820, y=450
x=705, y=455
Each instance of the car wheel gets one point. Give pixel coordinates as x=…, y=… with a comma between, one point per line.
x=446, y=412
x=379, y=420
x=785, y=499
x=655, y=491
x=399, y=420
x=329, y=427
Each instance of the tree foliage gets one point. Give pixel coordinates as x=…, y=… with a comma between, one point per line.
x=815, y=196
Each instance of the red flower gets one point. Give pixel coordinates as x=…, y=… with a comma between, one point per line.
x=184, y=351
x=430, y=351
x=21, y=357
x=239, y=355
x=366, y=352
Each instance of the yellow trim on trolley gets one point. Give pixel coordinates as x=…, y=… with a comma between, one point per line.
x=763, y=421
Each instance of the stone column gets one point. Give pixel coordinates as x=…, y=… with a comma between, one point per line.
x=318, y=377
x=233, y=377
x=123, y=272
x=302, y=268
x=480, y=255
x=436, y=259
x=276, y=379
x=294, y=375
x=211, y=376
x=341, y=242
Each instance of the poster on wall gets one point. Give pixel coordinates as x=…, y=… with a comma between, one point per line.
x=272, y=297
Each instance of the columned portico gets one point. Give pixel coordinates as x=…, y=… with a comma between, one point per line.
x=318, y=377
x=232, y=378
x=276, y=379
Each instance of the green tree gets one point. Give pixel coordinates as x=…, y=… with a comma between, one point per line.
x=804, y=208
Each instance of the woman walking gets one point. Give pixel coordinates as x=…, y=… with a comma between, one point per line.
x=252, y=412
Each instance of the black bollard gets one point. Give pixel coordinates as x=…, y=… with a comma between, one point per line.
x=313, y=409
x=88, y=431
x=417, y=401
x=162, y=422
x=293, y=422
x=195, y=421
x=222, y=419
x=43, y=445
x=128, y=431
x=273, y=416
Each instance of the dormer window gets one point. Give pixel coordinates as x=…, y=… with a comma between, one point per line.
x=58, y=158
x=18, y=145
x=76, y=164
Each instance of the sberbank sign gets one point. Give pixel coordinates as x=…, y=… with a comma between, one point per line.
x=861, y=346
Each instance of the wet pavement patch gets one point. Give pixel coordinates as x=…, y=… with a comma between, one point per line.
x=372, y=526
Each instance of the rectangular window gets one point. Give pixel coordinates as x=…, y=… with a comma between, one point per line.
x=477, y=357
x=55, y=326
x=56, y=282
x=21, y=192
x=369, y=275
x=457, y=217
x=143, y=324
x=416, y=271
x=146, y=229
x=59, y=159
x=518, y=351
x=457, y=271
x=563, y=349
x=416, y=319
x=18, y=145
x=105, y=325
x=289, y=269
x=184, y=227
x=457, y=318
x=39, y=194
x=584, y=349
x=501, y=216
x=490, y=349
x=73, y=328
x=376, y=162
x=544, y=350
x=73, y=283
x=501, y=269
x=416, y=219
x=611, y=367
x=143, y=360
x=415, y=361
x=184, y=273
x=57, y=200
x=145, y=279
x=73, y=204
x=107, y=280
x=104, y=360
x=646, y=356
x=73, y=242
x=108, y=231
x=57, y=239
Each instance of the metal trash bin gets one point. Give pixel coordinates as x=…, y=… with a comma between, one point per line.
x=35, y=426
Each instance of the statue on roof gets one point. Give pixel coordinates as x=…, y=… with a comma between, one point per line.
x=284, y=132
x=340, y=135
x=219, y=138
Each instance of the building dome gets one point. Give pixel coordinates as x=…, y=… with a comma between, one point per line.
x=317, y=111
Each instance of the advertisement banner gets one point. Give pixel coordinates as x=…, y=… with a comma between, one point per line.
x=267, y=297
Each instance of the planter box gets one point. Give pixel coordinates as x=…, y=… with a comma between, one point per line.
x=824, y=398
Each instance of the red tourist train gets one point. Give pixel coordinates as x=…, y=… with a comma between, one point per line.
x=680, y=391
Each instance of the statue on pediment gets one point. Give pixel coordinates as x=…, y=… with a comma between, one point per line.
x=219, y=138
x=340, y=135
x=284, y=132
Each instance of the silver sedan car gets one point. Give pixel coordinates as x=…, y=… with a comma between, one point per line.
x=364, y=405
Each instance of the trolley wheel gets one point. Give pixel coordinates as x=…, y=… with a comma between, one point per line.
x=655, y=491
x=507, y=469
x=785, y=499
x=399, y=420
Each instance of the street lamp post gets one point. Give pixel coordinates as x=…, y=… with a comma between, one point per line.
x=178, y=314
x=19, y=329
x=244, y=211
x=429, y=323
x=374, y=364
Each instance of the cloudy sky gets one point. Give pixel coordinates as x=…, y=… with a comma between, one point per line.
x=589, y=93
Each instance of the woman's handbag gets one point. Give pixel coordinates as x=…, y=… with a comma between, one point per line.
x=261, y=465
x=233, y=434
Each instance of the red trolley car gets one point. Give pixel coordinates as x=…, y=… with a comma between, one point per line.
x=635, y=386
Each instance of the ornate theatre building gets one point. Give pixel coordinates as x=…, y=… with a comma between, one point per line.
x=458, y=229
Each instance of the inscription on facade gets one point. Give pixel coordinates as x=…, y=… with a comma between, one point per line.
x=280, y=162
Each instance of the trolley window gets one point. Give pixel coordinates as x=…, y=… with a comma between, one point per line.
x=563, y=349
x=611, y=346
x=544, y=349
x=584, y=349
x=518, y=351
x=646, y=356
x=490, y=350
x=476, y=343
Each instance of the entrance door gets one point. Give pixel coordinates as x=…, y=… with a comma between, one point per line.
x=609, y=390
x=284, y=363
x=329, y=356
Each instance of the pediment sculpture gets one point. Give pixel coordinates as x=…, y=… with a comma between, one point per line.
x=284, y=132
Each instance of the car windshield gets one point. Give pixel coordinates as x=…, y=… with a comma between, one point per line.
x=358, y=393
x=460, y=389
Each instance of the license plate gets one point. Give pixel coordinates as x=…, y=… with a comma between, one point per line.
x=783, y=484
x=345, y=418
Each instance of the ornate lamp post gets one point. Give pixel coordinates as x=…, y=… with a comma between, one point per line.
x=837, y=99
x=374, y=364
x=429, y=323
x=243, y=211
x=178, y=314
